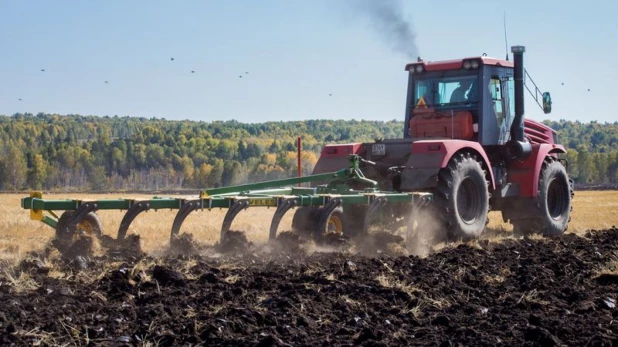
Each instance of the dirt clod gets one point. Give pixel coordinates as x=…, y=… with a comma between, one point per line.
x=233, y=242
x=81, y=247
x=166, y=276
x=183, y=244
x=288, y=241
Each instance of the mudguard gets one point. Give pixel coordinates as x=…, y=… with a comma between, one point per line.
x=429, y=156
x=526, y=173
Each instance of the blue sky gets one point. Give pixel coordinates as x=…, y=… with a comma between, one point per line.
x=296, y=53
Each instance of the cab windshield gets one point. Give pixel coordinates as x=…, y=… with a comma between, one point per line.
x=446, y=91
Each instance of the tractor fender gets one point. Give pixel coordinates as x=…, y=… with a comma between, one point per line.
x=526, y=173
x=427, y=157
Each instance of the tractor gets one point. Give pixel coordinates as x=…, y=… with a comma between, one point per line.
x=466, y=149
x=467, y=142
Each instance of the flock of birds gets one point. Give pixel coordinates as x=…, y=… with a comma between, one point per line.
x=239, y=76
x=171, y=59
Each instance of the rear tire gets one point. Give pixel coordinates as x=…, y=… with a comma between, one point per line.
x=552, y=212
x=462, y=197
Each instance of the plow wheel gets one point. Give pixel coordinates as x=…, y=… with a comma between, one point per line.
x=331, y=220
x=349, y=222
x=552, y=206
x=69, y=230
x=462, y=196
x=305, y=220
x=89, y=225
x=335, y=222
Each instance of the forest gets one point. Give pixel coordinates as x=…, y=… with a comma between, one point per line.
x=89, y=153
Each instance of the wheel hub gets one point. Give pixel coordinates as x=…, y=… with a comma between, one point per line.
x=556, y=202
x=468, y=203
x=335, y=225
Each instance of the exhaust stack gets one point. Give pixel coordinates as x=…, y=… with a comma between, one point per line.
x=518, y=148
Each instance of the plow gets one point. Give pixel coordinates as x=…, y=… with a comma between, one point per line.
x=318, y=208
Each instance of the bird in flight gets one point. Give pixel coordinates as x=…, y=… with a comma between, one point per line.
x=42, y=70
x=106, y=81
x=172, y=59
x=19, y=99
x=192, y=71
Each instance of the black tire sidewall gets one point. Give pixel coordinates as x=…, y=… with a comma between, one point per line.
x=550, y=226
x=62, y=230
x=304, y=221
x=322, y=225
x=466, y=168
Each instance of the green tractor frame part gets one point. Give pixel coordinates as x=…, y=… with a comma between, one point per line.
x=280, y=194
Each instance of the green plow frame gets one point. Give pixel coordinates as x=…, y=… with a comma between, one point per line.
x=283, y=194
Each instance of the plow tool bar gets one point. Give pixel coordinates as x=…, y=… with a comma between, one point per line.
x=278, y=193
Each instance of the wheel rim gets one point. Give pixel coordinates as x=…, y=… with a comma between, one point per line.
x=468, y=201
x=335, y=225
x=556, y=199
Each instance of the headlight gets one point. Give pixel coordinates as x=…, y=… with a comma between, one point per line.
x=475, y=64
x=419, y=68
x=466, y=65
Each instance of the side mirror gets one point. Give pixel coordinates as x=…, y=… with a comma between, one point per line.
x=546, y=102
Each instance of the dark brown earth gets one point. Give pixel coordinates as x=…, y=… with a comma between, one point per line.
x=546, y=292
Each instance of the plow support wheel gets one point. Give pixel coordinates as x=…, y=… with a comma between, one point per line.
x=183, y=212
x=375, y=207
x=128, y=218
x=284, y=206
x=238, y=206
x=330, y=206
x=78, y=215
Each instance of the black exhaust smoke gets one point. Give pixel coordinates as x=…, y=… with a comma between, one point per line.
x=388, y=19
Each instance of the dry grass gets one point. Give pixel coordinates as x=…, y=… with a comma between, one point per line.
x=19, y=234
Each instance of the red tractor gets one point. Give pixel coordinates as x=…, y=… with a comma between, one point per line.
x=467, y=142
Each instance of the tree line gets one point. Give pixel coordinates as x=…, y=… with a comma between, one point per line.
x=74, y=152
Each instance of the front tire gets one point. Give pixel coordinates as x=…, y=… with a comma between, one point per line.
x=462, y=197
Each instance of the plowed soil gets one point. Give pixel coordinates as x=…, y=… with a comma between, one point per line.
x=518, y=292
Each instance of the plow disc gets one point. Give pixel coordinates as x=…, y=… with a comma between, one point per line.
x=333, y=207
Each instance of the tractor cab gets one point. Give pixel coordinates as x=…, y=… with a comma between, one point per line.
x=468, y=99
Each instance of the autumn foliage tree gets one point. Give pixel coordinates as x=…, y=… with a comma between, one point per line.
x=61, y=152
